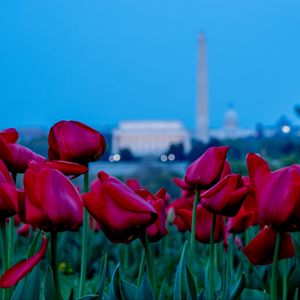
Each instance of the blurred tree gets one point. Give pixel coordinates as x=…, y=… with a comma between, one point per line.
x=178, y=151
x=127, y=155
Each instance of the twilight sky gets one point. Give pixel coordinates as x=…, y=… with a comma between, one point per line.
x=104, y=61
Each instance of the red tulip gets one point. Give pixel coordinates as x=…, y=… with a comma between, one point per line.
x=207, y=169
x=158, y=230
x=52, y=202
x=186, y=190
x=183, y=202
x=260, y=250
x=9, y=135
x=134, y=184
x=24, y=230
x=277, y=194
x=122, y=214
x=246, y=217
x=75, y=142
x=226, y=169
x=8, y=194
x=203, y=224
x=17, y=157
x=13, y=275
x=225, y=197
x=66, y=167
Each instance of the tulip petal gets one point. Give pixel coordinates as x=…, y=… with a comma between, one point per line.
x=257, y=168
x=260, y=250
x=207, y=169
x=10, y=135
x=13, y=275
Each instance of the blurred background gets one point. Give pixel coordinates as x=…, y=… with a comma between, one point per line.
x=162, y=80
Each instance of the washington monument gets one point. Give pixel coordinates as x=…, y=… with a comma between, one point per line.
x=202, y=118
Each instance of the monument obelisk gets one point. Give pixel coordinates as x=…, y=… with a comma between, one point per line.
x=202, y=118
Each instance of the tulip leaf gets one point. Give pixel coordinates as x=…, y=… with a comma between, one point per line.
x=115, y=292
x=141, y=270
x=200, y=296
x=102, y=275
x=34, y=244
x=71, y=296
x=49, y=286
x=191, y=290
x=145, y=290
x=128, y=290
x=249, y=294
x=90, y=297
x=238, y=287
x=179, y=276
x=161, y=295
x=296, y=294
x=29, y=286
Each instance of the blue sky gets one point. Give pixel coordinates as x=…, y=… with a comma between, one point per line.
x=104, y=61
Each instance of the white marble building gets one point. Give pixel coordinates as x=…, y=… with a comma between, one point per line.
x=144, y=138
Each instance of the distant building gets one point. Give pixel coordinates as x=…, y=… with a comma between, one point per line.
x=230, y=128
x=144, y=138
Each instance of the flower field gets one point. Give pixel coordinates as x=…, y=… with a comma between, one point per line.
x=226, y=236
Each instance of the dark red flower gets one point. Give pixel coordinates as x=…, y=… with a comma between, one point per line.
x=246, y=217
x=226, y=196
x=207, y=169
x=13, y=275
x=17, y=157
x=52, y=202
x=10, y=135
x=260, y=250
x=184, y=202
x=133, y=183
x=8, y=194
x=277, y=194
x=75, y=142
x=122, y=214
x=66, y=167
x=24, y=230
x=203, y=224
x=158, y=230
x=186, y=190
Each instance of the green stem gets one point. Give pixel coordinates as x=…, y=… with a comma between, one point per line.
x=11, y=231
x=192, y=249
x=231, y=253
x=284, y=280
x=54, y=264
x=149, y=262
x=212, y=260
x=85, y=228
x=274, y=280
x=141, y=270
x=4, y=255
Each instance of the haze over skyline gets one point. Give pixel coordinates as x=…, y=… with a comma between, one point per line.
x=102, y=62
